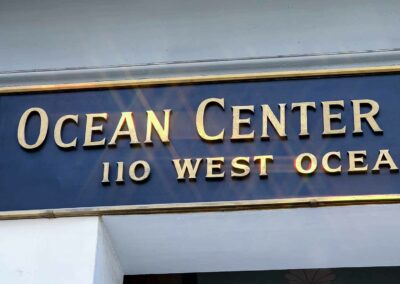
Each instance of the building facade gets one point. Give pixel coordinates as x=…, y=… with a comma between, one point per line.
x=77, y=46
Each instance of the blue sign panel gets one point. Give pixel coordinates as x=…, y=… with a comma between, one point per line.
x=220, y=141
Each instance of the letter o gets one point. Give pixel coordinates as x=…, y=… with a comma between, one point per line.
x=132, y=170
x=299, y=160
x=44, y=125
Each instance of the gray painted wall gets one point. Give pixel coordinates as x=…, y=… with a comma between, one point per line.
x=56, y=34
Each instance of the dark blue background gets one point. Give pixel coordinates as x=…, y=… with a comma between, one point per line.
x=54, y=178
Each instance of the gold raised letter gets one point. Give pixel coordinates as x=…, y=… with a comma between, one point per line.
x=126, y=119
x=106, y=172
x=44, y=125
x=215, y=163
x=237, y=122
x=369, y=116
x=299, y=163
x=120, y=172
x=90, y=129
x=58, y=130
x=200, y=120
x=303, y=106
x=263, y=163
x=356, y=161
x=384, y=159
x=153, y=122
x=329, y=117
x=279, y=125
x=242, y=164
x=325, y=163
x=186, y=167
x=146, y=170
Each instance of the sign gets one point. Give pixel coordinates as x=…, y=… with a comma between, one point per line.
x=239, y=141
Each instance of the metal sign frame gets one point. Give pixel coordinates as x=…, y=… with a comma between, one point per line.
x=203, y=206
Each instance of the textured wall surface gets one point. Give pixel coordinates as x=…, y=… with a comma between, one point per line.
x=45, y=251
x=46, y=34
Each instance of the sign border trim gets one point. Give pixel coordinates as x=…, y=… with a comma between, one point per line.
x=148, y=82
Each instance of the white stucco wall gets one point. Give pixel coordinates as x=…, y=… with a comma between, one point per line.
x=108, y=269
x=63, y=250
x=48, y=250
